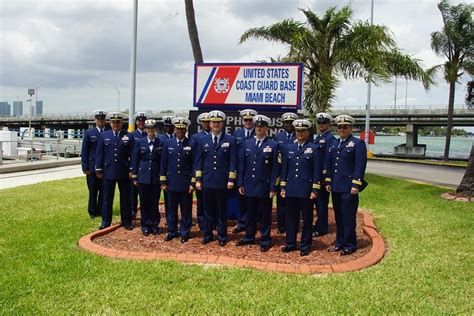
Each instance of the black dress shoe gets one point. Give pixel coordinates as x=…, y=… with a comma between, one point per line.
x=103, y=226
x=237, y=229
x=222, y=243
x=145, y=231
x=334, y=249
x=243, y=242
x=304, y=253
x=264, y=248
x=154, y=230
x=317, y=234
x=346, y=252
x=128, y=226
x=169, y=237
x=206, y=241
x=288, y=249
x=184, y=239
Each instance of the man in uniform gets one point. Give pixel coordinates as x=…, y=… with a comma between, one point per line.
x=285, y=137
x=258, y=172
x=113, y=166
x=216, y=173
x=177, y=180
x=169, y=133
x=346, y=163
x=241, y=135
x=203, y=120
x=146, y=159
x=88, y=150
x=322, y=141
x=300, y=183
x=135, y=136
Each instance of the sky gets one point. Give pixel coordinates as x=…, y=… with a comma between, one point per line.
x=78, y=52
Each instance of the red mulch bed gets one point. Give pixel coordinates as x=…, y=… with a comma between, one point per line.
x=134, y=241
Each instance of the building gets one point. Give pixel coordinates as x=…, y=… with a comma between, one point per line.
x=39, y=108
x=5, y=109
x=17, y=108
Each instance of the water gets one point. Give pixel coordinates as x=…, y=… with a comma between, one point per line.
x=460, y=146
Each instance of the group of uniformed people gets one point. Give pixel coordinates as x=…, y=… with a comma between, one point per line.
x=301, y=171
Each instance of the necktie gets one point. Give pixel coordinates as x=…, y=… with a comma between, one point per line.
x=101, y=130
x=247, y=134
x=179, y=143
x=116, y=134
x=288, y=136
x=340, y=143
x=215, y=140
x=259, y=142
x=299, y=147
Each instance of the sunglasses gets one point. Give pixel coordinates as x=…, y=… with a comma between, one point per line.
x=248, y=120
x=342, y=127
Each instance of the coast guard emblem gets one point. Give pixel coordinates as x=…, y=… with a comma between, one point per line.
x=221, y=85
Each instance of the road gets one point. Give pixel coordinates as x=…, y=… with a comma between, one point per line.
x=443, y=176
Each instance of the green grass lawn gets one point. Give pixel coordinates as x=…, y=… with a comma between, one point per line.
x=428, y=268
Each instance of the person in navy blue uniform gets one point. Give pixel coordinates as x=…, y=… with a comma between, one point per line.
x=285, y=137
x=169, y=133
x=146, y=159
x=300, y=183
x=241, y=135
x=203, y=121
x=346, y=163
x=177, y=180
x=216, y=173
x=113, y=166
x=257, y=176
x=88, y=150
x=322, y=141
x=135, y=136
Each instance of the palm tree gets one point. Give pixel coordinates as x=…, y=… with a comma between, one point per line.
x=332, y=45
x=192, y=30
x=455, y=42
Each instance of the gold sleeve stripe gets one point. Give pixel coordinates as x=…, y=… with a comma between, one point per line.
x=283, y=183
x=357, y=182
x=325, y=171
x=327, y=179
x=316, y=186
x=232, y=175
x=134, y=176
x=198, y=173
x=193, y=179
x=163, y=178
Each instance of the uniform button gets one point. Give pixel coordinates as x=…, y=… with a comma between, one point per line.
x=253, y=169
x=215, y=162
x=297, y=158
x=253, y=176
x=115, y=155
x=215, y=156
x=337, y=158
x=254, y=163
x=215, y=168
x=296, y=163
x=149, y=168
x=296, y=176
x=335, y=170
x=178, y=171
x=296, y=169
x=335, y=164
x=115, y=160
x=178, y=166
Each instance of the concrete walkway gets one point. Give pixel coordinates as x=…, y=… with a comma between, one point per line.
x=438, y=175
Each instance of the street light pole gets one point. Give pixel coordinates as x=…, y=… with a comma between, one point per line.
x=406, y=93
x=133, y=67
x=369, y=90
x=395, y=95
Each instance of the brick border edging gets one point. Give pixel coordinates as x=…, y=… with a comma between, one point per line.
x=375, y=254
x=458, y=198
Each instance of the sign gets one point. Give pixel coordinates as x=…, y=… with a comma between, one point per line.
x=235, y=121
x=260, y=86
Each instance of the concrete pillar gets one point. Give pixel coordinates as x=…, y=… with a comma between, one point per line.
x=411, y=147
x=70, y=134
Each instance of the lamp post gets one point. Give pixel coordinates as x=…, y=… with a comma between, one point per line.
x=133, y=66
x=369, y=90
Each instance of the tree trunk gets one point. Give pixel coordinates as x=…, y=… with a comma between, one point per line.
x=466, y=187
x=193, y=32
x=452, y=87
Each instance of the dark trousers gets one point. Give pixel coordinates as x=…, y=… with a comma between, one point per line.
x=280, y=212
x=259, y=209
x=345, y=209
x=109, y=192
x=215, y=211
x=94, y=185
x=134, y=198
x=183, y=200
x=242, y=211
x=200, y=209
x=321, y=225
x=149, y=197
x=295, y=206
